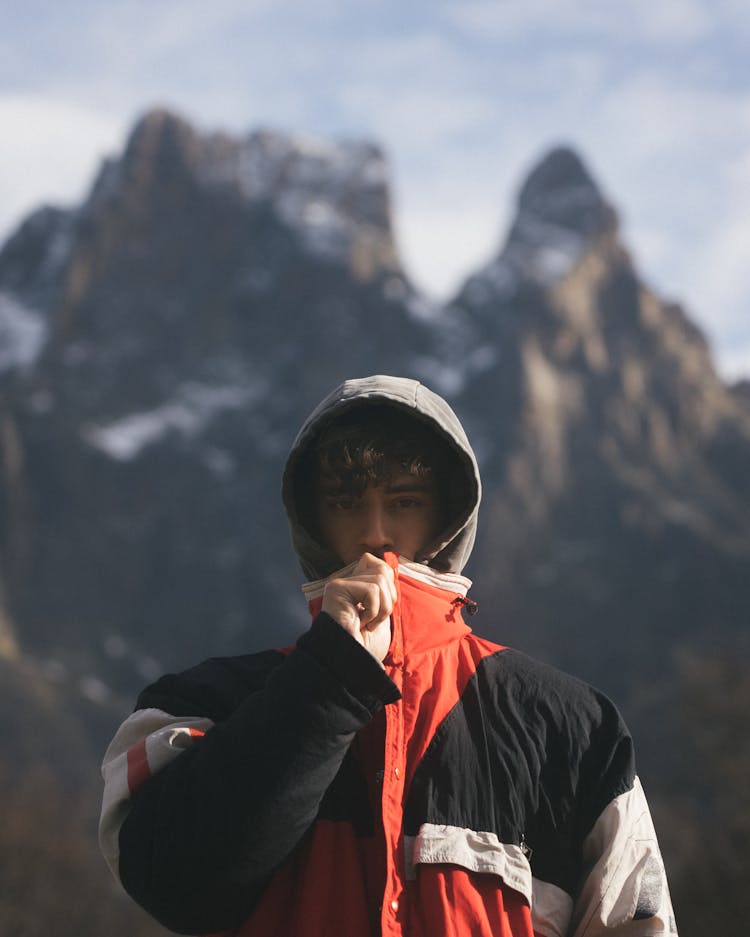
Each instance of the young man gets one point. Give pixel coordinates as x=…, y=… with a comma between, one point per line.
x=392, y=773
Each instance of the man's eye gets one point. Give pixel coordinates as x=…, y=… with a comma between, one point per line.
x=406, y=503
x=341, y=504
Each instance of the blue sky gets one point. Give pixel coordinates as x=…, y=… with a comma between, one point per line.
x=464, y=95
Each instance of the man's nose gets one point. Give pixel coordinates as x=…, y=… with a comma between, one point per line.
x=375, y=534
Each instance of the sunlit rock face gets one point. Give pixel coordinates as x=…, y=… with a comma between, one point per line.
x=160, y=344
x=619, y=459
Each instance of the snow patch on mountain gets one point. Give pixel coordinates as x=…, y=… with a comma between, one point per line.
x=267, y=163
x=543, y=248
x=422, y=308
x=22, y=333
x=561, y=214
x=325, y=190
x=332, y=193
x=540, y=249
x=94, y=689
x=451, y=379
x=187, y=413
x=61, y=243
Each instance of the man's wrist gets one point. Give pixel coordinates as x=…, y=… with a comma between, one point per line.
x=359, y=671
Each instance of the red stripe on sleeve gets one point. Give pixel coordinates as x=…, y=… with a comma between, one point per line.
x=138, y=769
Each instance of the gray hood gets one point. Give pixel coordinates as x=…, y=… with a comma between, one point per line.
x=451, y=549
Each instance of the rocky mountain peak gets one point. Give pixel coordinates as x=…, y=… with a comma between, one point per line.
x=561, y=193
x=333, y=194
x=159, y=154
x=159, y=133
x=33, y=258
x=561, y=214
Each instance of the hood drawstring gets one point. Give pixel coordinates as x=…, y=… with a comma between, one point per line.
x=465, y=603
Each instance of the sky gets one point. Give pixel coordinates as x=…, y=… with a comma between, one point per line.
x=464, y=96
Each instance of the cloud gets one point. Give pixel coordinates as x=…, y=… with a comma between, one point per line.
x=672, y=22
x=719, y=280
x=140, y=30
x=443, y=119
x=50, y=151
x=684, y=185
x=453, y=161
x=734, y=362
x=464, y=95
x=441, y=243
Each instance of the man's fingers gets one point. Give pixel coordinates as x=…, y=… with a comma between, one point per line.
x=362, y=602
x=368, y=597
x=369, y=564
x=371, y=599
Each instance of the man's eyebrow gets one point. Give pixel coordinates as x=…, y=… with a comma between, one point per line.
x=409, y=486
x=334, y=487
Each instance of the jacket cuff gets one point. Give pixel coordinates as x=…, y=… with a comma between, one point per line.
x=351, y=664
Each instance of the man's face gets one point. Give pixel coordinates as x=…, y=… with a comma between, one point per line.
x=401, y=515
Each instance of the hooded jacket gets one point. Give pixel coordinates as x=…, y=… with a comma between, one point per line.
x=460, y=788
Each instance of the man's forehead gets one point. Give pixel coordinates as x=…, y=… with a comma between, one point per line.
x=398, y=481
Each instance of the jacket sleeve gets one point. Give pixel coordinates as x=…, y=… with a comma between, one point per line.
x=623, y=886
x=200, y=807
x=625, y=890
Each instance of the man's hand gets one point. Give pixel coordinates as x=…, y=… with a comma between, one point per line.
x=362, y=602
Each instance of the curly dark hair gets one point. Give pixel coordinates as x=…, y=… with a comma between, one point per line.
x=369, y=445
x=375, y=446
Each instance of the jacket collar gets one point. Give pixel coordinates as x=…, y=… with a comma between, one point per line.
x=428, y=611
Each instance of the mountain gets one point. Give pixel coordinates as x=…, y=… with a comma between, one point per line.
x=620, y=526
x=160, y=344
x=164, y=340
x=184, y=320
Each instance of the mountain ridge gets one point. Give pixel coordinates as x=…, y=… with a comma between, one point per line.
x=183, y=297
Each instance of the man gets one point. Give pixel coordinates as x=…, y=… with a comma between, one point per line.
x=392, y=773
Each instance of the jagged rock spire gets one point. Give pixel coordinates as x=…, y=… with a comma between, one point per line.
x=561, y=214
x=560, y=195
